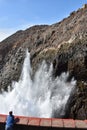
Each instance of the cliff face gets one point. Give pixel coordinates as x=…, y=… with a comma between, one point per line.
x=64, y=44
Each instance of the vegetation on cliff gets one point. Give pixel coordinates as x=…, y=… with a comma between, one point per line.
x=64, y=44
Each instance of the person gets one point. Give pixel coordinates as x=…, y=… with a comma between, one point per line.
x=9, y=121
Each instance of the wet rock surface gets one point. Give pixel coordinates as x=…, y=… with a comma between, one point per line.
x=64, y=44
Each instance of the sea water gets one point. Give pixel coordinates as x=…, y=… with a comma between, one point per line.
x=39, y=96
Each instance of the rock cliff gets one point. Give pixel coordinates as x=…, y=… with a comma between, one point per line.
x=63, y=43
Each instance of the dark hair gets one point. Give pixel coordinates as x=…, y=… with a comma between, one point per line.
x=10, y=113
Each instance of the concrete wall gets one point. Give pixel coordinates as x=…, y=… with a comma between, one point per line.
x=30, y=123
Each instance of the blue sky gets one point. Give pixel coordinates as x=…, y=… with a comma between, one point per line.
x=21, y=14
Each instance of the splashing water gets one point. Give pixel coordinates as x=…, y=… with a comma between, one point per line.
x=39, y=97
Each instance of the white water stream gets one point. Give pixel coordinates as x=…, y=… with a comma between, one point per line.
x=39, y=97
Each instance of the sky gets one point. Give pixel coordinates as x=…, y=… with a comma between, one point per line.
x=18, y=15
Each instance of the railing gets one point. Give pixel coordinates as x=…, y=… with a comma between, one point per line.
x=33, y=123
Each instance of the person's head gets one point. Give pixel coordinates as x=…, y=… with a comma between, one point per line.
x=10, y=112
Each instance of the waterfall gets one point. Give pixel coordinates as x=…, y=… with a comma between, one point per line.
x=37, y=97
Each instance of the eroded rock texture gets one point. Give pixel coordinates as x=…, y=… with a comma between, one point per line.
x=64, y=44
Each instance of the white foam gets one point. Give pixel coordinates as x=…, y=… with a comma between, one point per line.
x=37, y=97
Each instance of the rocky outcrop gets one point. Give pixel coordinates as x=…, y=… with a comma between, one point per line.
x=64, y=44
x=73, y=59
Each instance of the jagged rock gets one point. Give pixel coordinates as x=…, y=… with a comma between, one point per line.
x=64, y=44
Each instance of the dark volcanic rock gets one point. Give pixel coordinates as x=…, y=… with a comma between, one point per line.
x=64, y=44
